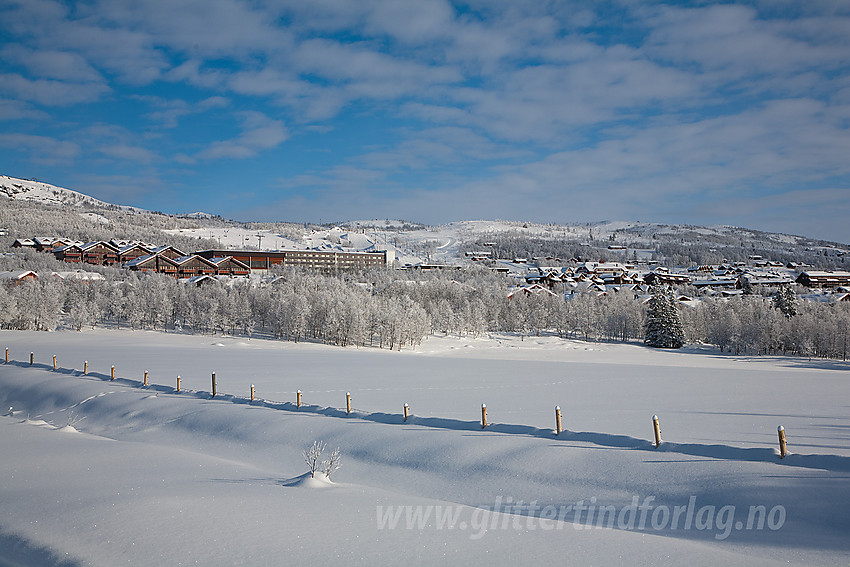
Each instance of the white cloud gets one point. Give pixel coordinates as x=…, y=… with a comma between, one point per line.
x=42, y=149
x=50, y=92
x=259, y=133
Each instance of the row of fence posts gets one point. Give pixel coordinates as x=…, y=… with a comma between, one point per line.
x=656, y=426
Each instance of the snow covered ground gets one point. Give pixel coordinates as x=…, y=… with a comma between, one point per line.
x=101, y=472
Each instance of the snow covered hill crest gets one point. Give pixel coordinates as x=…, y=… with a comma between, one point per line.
x=37, y=191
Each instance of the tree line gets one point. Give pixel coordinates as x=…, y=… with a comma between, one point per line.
x=388, y=310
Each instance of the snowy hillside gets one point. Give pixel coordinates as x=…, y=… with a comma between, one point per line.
x=36, y=191
x=102, y=472
x=413, y=243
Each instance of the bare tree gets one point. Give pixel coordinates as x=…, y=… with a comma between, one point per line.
x=332, y=463
x=313, y=457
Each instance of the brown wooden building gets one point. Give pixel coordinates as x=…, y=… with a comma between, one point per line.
x=324, y=260
x=131, y=252
x=98, y=253
x=153, y=263
x=168, y=251
x=194, y=265
x=230, y=266
x=813, y=279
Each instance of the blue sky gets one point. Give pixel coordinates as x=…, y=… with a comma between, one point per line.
x=433, y=111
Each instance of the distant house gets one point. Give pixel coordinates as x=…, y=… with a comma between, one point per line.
x=17, y=277
x=79, y=275
x=99, y=253
x=664, y=278
x=23, y=243
x=200, y=281
x=153, y=263
x=821, y=280
x=131, y=252
x=168, y=251
x=69, y=253
x=194, y=265
x=535, y=289
x=229, y=266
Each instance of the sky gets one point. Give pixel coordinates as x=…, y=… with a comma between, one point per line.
x=433, y=111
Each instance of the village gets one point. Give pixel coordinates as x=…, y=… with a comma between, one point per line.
x=526, y=276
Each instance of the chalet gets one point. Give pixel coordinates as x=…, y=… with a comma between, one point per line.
x=200, y=281
x=666, y=278
x=99, y=253
x=69, y=253
x=762, y=279
x=23, y=243
x=168, y=251
x=124, y=243
x=715, y=282
x=46, y=243
x=589, y=287
x=813, y=279
x=153, y=263
x=550, y=277
x=528, y=290
x=131, y=252
x=18, y=277
x=79, y=275
x=194, y=265
x=612, y=273
x=229, y=266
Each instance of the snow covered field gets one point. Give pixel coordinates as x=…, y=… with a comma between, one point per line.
x=149, y=476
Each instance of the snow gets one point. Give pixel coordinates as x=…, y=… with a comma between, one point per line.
x=156, y=476
x=237, y=237
x=28, y=190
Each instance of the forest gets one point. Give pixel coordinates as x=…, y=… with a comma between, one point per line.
x=395, y=310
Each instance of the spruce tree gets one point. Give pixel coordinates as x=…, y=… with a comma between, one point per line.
x=786, y=301
x=663, y=328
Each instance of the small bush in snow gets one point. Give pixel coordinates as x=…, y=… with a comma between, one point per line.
x=313, y=457
x=315, y=461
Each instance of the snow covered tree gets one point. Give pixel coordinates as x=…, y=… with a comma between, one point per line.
x=313, y=457
x=663, y=327
x=786, y=301
x=332, y=463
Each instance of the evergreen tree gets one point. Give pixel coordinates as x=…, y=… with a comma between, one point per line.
x=663, y=327
x=786, y=301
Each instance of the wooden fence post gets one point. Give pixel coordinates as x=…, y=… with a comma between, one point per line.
x=7, y=355
x=483, y=416
x=783, y=449
x=348, y=402
x=146, y=378
x=656, y=428
x=86, y=367
x=213, y=384
x=112, y=373
x=54, y=362
x=406, y=412
x=252, y=392
x=178, y=382
x=557, y=420
x=298, y=399
x=32, y=358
